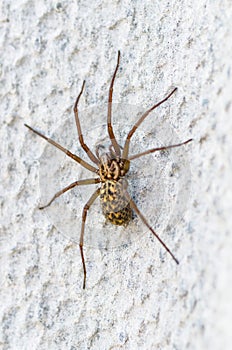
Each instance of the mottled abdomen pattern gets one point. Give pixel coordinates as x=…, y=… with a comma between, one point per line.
x=115, y=205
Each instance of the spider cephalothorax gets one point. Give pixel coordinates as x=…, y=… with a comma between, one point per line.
x=111, y=168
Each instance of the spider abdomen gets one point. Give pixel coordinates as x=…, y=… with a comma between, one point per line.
x=114, y=202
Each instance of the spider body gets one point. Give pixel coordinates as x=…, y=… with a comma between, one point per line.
x=114, y=203
x=111, y=168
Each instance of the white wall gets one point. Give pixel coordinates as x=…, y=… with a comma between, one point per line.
x=135, y=297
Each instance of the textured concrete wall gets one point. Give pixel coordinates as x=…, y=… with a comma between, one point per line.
x=136, y=297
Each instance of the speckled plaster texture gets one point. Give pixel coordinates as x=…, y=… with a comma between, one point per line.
x=136, y=297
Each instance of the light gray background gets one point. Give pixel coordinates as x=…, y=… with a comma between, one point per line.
x=136, y=298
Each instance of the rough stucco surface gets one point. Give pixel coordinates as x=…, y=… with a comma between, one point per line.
x=136, y=297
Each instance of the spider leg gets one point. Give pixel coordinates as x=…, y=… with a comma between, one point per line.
x=84, y=214
x=83, y=144
x=66, y=151
x=141, y=119
x=69, y=187
x=134, y=156
x=109, y=122
x=138, y=212
x=97, y=148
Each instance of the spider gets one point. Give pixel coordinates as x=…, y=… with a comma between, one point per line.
x=111, y=168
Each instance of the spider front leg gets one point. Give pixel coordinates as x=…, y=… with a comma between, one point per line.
x=69, y=187
x=109, y=121
x=141, y=119
x=65, y=150
x=134, y=156
x=138, y=212
x=81, y=140
x=84, y=214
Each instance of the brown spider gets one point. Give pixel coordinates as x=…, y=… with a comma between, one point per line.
x=111, y=168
